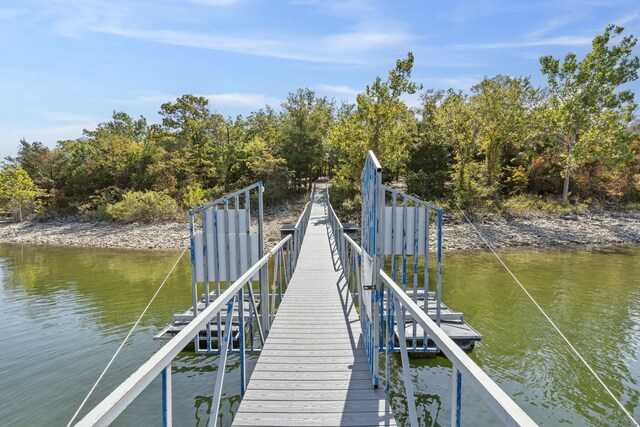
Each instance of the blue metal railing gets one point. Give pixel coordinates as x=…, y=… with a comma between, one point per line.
x=385, y=305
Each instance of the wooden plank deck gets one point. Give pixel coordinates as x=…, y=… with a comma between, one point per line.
x=313, y=369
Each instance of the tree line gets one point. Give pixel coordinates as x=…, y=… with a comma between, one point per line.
x=574, y=139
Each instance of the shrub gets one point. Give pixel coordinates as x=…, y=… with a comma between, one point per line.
x=147, y=206
x=98, y=203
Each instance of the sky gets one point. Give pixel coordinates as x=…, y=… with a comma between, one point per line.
x=67, y=65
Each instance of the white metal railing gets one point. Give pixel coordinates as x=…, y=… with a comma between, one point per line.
x=397, y=301
x=284, y=255
x=119, y=399
x=300, y=228
x=501, y=404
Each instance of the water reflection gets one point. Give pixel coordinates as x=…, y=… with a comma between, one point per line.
x=64, y=311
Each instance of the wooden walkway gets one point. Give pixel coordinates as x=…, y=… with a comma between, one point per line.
x=313, y=369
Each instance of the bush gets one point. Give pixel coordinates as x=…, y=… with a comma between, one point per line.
x=98, y=203
x=148, y=206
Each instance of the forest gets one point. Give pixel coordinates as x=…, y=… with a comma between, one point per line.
x=506, y=145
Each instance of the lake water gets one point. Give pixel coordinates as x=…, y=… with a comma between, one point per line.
x=65, y=311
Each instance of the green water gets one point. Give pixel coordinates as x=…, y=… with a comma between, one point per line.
x=65, y=311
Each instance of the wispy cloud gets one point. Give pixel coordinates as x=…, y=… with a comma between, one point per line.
x=549, y=41
x=12, y=13
x=58, y=116
x=237, y=99
x=458, y=83
x=556, y=23
x=48, y=135
x=230, y=99
x=337, y=89
x=337, y=48
x=214, y=2
x=624, y=20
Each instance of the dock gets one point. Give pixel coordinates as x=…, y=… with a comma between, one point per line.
x=320, y=360
x=313, y=369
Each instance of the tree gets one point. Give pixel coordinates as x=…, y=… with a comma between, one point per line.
x=40, y=163
x=430, y=155
x=123, y=125
x=305, y=123
x=381, y=122
x=588, y=110
x=17, y=190
x=503, y=106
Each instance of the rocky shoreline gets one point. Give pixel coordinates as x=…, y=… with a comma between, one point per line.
x=606, y=229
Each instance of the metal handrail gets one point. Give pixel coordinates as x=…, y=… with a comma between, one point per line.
x=397, y=300
x=300, y=228
x=501, y=404
x=119, y=399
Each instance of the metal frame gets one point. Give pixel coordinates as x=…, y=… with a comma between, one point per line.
x=230, y=205
x=119, y=399
x=371, y=307
x=396, y=301
x=384, y=305
x=283, y=255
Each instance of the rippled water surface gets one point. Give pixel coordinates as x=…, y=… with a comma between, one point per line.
x=64, y=312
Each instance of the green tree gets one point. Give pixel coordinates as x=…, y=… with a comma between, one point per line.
x=17, y=191
x=430, y=155
x=459, y=126
x=503, y=106
x=381, y=122
x=40, y=163
x=306, y=120
x=587, y=109
x=196, y=139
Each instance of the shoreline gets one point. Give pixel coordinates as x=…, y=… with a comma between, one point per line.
x=608, y=229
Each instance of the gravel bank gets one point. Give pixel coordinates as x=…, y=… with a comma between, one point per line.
x=607, y=229
x=570, y=230
x=102, y=234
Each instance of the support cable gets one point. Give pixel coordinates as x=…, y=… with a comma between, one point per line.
x=104, y=371
x=575, y=351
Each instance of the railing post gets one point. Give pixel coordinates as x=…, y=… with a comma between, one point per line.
x=217, y=392
x=166, y=397
x=241, y=331
x=439, y=267
x=264, y=278
x=456, y=397
x=406, y=368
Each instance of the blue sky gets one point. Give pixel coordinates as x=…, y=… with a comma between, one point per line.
x=66, y=65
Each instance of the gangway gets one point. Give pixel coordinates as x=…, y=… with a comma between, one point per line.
x=313, y=369
x=320, y=348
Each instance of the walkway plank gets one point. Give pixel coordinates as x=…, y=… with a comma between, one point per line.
x=313, y=369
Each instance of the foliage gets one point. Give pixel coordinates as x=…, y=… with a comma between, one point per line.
x=501, y=145
x=305, y=122
x=17, y=192
x=381, y=122
x=144, y=206
x=587, y=111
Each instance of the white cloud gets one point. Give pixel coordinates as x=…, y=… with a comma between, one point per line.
x=412, y=101
x=214, y=2
x=627, y=18
x=337, y=89
x=238, y=99
x=12, y=13
x=49, y=136
x=555, y=24
x=337, y=48
x=58, y=116
x=231, y=99
x=458, y=83
x=551, y=41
